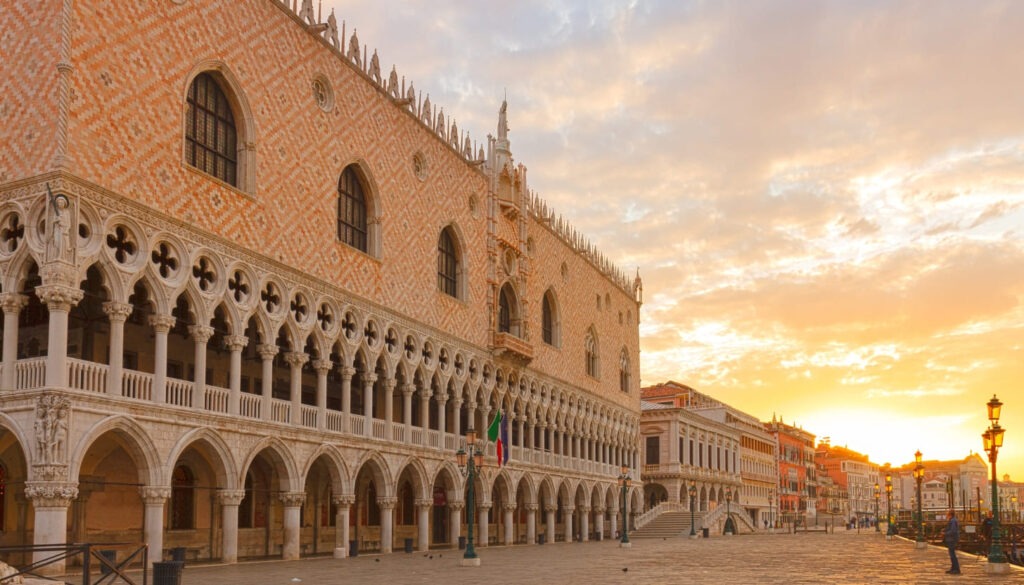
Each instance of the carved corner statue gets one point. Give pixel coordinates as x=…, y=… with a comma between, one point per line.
x=51, y=428
x=60, y=224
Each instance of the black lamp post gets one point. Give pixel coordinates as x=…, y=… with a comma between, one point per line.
x=771, y=511
x=470, y=463
x=919, y=477
x=730, y=528
x=993, y=438
x=889, y=530
x=693, y=513
x=624, y=481
x=878, y=495
x=1013, y=503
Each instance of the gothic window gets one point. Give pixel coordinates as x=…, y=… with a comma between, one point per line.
x=508, y=311
x=550, y=326
x=352, y=210
x=447, y=264
x=624, y=371
x=590, y=349
x=183, y=486
x=211, y=140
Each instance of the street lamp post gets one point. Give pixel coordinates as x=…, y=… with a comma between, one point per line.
x=1013, y=503
x=993, y=440
x=771, y=511
x=919, y=477
x=624, y=481
x=889, y=530
x=693, y=512
x=730, y=529
x=470, y=461
x=878, y=495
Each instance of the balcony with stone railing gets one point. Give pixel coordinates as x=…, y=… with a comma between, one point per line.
x=509, y=346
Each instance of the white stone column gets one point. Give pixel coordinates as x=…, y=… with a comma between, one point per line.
x=522, y=432
x=442, y=418
x=457, y=415
x=567, y=523
x=531, y=523
x=407, y=391
x=455, y=521
x=599, y=522
x=59, y=299
x=343, y=504
x=161, y=326
x=549, y=528
x=509, y=522
x=322, y=367
x=235, y=344
x=229, y=501
x=296, y=360
x=201, y=335
x=425, y=395
x=267, y=353
x=368, y=381
x=50, y=501
x=12, y=304
x=292, y=504
x=389, y=405
x=423, y=507
x=483, y=512
x=346, y=395
x=613, y=520
x=387, y=523
x=584, y=523
x=153, y=499
x=117, y=313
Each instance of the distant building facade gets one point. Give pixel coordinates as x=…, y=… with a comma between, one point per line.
x=797, y=493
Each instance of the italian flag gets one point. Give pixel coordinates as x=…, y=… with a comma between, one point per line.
x=498, y=432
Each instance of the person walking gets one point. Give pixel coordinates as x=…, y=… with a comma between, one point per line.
x=951, y=537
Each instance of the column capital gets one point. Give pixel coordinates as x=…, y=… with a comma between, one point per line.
x=13, y=302
x=387, y=502
x=296, y=358
x=153, y=495
x=424, y=502
x=457, y=505
x=510, y=506
x=569, y=509
x=236, y=342
x=59, y=297
x=600, y=509
x=117, y=312
x=408, y=389
x=347, y=372
x=51, y=494
x=267, y=351
x=230, y=497
x=293, y=499
x=162, y=323
x=584, y=509
x=369, y=378
x=322, y=366
x=532, y=507
x=200, y=333
x=343, y=499
x=483, y=505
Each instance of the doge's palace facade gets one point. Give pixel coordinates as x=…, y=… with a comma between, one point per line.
x=256, y=289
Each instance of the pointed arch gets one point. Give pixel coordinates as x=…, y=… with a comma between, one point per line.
x=451, y=263
x=280, y=457
x=136, y=442
x=592, y=353
x=509, y=318
x=358, y=212
x=551, y=319
x=224, y=465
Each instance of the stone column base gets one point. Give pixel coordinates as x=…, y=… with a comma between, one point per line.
x=625, y=545
x=340, y=552
x=997, y=568
x=920, y=544
x=464, y=562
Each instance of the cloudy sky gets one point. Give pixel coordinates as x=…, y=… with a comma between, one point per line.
x=825, y=199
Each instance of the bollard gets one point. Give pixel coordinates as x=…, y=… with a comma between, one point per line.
x=167, y=573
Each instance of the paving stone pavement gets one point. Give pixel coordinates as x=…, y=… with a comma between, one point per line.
x=841, y=557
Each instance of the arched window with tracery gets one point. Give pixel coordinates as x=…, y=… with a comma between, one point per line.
x=447, y=263
x=549, y=322
x=352, y=210
x=508, y=311
x=183, y=496
x=624, y=371
x=590, y=349
x=211, y=139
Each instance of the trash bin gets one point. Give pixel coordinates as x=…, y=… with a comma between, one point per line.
x=111, y=557
x=408, y=545
x=540, y=538
x=705, y=532
x=167, y=573
x=462, y=543
x=178, y=554
x=353, y=548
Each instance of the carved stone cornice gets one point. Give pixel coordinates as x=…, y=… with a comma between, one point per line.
x=230, y=497
x=50, y=472
x=59, y=297
x=117, y=312
x=155, y=495
x=13, y=302
x=51, y=494
x=200, y=333
x=293, y=499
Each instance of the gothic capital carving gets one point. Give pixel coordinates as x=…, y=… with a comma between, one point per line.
x=51, y=494
x=408, y=389
x=584, y=509
x=483, y=505
x=153, y=495
x=510, y=506
x=117, y=312
x=293, y=499
x=236, y=342
x=296, y=359
x=266, y=351
x=13, y=302
x=370, y=379
x=343, y=499
x=457, y=505
x=387, y=502
x=550, y=508
x=59, y=297
x=347, y=372
x=322, y=366
x=532, y=507
x=162, y=323
x=600, y=509
x=424, y=502
x=230, y=497
x=569, y=509
x=200, y=333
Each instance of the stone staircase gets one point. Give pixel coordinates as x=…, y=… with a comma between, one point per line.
x=668, y=524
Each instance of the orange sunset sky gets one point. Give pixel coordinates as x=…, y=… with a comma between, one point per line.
x=825, y=199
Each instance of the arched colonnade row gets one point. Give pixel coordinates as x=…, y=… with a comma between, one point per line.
x=145, y=315
x=223, y=495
